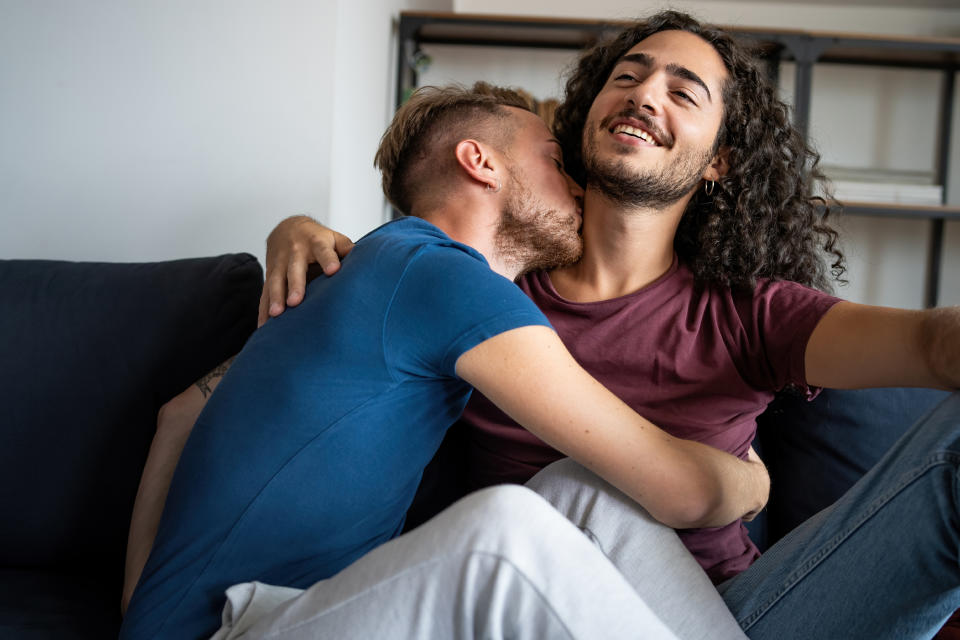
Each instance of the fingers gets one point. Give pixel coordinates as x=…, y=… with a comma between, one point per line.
x=327, y=258
x=281, y=246
x=292, y=247
x=762, y=485
x=296, y=279
x=273, y=294
x=342, y=244
x=262, y=311
x=328, y=248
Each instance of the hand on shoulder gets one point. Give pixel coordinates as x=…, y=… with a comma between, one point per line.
x=292, y=247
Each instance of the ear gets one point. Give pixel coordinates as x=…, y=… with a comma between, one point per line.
x=478, y=161
x=718, y=166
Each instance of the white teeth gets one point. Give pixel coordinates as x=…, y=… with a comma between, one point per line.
x=636, y=133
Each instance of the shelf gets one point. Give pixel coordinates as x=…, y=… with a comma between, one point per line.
x=571, y=33
x=488, y=30
x=888, y=210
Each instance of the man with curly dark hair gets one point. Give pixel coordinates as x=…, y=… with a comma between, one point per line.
x=696, y=299
x=759, y=219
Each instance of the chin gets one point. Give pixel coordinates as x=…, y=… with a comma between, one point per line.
x=560, y=255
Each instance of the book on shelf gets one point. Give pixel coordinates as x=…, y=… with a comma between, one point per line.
x=884, y=185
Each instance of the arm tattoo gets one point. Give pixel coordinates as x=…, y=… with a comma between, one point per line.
x=204, y=383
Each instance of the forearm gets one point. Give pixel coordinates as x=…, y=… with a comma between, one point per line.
x=174, y=423
x=941, y=345
x=722, y=487
x=529, y=375
x=856, y=346
x=158, y=471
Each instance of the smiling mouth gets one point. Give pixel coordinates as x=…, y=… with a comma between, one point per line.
x=635, y=133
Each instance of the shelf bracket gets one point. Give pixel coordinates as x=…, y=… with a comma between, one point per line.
x=805, y=51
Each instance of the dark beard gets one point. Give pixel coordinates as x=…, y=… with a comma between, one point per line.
x=655, y=190
x=532, y=236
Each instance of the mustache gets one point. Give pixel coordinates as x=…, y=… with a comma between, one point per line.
x=648, y=123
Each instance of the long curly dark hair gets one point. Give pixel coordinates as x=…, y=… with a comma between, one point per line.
x=761, y=220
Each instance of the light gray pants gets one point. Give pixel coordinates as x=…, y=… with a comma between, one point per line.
x=503, y=563
x=646, y=552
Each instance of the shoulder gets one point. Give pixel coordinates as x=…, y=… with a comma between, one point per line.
x=409, y=243
x=770, y=305
x=784, y=296
x=432, y=269
x=416, y=232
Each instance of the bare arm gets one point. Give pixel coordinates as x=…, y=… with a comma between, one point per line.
x=530, y=375
x=292, y=247
x=856, y=346
x=174, y=424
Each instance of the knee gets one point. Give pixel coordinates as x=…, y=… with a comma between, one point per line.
x=510, y=503
x=571, y=487
x=508, y=510
x=562, y=472
x=511, y=521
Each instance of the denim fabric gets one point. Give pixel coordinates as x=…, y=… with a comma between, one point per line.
x=882, y=562
x=835, y=439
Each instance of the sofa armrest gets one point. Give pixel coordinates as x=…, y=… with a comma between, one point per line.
x=90, y=352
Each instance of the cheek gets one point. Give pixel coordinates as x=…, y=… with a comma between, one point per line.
x=562, y=189
x=601, y=104
x=711, y=127
x=547, y=186
x=699, y=131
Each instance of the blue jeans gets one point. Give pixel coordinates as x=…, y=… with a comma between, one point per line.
x=882, y=562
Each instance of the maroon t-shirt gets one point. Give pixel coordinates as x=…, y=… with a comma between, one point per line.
x=701, y=363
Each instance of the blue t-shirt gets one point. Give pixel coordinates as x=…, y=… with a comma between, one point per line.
x=312, y=447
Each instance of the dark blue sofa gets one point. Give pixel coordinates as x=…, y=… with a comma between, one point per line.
x=90, y=352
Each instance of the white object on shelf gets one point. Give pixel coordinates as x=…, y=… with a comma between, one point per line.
x=882, y=185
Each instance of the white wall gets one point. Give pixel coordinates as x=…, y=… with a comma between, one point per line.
x=363, y=103
x=145, y=130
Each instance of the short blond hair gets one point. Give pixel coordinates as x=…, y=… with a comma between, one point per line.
x=413, y=154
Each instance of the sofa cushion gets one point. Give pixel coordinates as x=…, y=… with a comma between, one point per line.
x=47, y=605
x=90, y=352
x=817, y=450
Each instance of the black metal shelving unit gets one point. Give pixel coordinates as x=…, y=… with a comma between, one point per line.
x=804, y=48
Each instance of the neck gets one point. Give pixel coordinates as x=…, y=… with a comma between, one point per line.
x=624, y=249
x=473, y=222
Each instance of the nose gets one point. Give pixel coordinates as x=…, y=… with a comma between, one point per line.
x=575, y=189
x=643, y=97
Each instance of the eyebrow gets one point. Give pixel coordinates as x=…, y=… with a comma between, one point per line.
x=675, y=70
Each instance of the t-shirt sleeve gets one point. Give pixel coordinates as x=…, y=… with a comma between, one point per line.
x=446, y=303
x=781, y=317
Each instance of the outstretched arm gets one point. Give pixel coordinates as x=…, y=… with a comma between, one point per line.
x=856, y=346
x=531, y=376
x=292, y=247
x=174, y=423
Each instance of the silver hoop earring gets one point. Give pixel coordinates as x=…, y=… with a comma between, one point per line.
x=709, y=186
x=497, y=190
